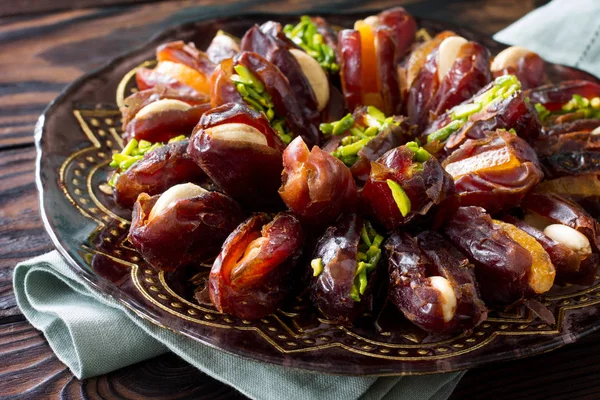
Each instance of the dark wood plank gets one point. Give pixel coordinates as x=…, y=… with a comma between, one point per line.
x=22, y=235
x=40, y=55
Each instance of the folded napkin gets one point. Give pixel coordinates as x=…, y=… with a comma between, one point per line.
x=563, y=32
x=93, y=334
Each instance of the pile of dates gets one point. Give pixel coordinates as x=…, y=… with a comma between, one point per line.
x=377, y=165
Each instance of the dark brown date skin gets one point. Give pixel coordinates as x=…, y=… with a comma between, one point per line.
x=429, y=98
x=248, y=172
x=404, y=27
x=386, y=140
x=192, y=230
x=316, y=185
x=388, y=74
x=570, y=267
x=495, y=172
x=447, y=261
x=553, y=97
x=501, y=264
x=579, y=125
x=142, y=98
x=160, y=169
x=584, y=189
x=255, y=269
x=559, y=210
x=330, y=291
x=567, y=154
x=411, y=291
x=276, y=51
x=530, y=70
x=430, y=190
x=511, y=113
x=349, y=59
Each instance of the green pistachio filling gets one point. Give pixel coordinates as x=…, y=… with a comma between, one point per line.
x=369, y=253
x=317, y=266
x=373, y=123
x=254, y=94
x=577, y=108
x=305, y=35
x=420, y=155
x=132, y=153
x=503, y=87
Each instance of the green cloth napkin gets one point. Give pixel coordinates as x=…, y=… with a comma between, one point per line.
x=93, y=334
x=563, y=32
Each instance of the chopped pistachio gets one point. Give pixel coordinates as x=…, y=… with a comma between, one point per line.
x=341, y=126
x=465, y=110
x=443, y=133
x=317, y=266
x=368, y=256
x=400, y=197
x=305, y=35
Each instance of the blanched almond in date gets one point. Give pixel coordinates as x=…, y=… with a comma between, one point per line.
x=161, y=106
x=447, y=296
x=315, y=76
x=169, y=198
x=447, y=54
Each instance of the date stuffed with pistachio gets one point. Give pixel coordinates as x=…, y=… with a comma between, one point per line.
x=316, y=185
x=241, y=153
x=499, y=105
x=453, y=72
x=364, y=136
x=494, y=172
x=510, y=264
x=251, y=79
x=184, y=225
x=407, y=183
x=344, y=269
x=159, y=114
x=181, y=67
x=154, y=171
x=255, y=269
x=432, y=283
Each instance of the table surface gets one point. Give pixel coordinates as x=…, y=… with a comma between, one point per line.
x=42, y=49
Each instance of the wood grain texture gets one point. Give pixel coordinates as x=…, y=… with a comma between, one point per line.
x=41, y=53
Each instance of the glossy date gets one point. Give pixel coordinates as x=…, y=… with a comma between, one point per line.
x=255, y=269
x=186, y=224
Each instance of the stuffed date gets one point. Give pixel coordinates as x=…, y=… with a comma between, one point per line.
x=345, y=269
x=316, y=185
x=180, y=66
x=510, y=264
x=241, y=153
x=159, y=168
x=249, y=78
x=494, y=172
x=432, y=284
x=527, y=66
x=364, y=136
x=255, y=269
x=499, y=105
x=368, y=55
x=453, y=72
x=159, y=114
x=184, y=225
x=407, y=183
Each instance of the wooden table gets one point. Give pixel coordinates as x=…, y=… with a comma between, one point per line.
x=42, y=49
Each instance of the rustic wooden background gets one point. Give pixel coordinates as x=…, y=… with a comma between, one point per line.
x=46, y=44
